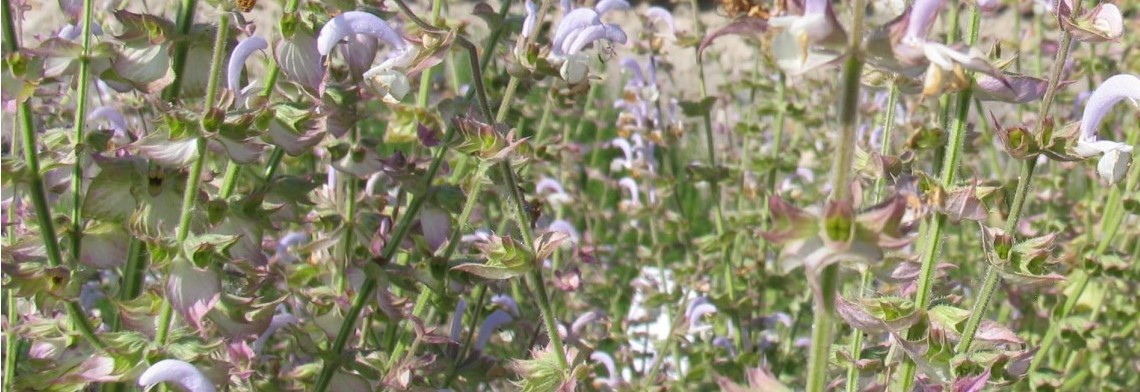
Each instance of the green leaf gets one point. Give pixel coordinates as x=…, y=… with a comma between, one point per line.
x=489, y=272
x=698, y=108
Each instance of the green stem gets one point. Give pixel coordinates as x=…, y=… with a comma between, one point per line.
x=865, y=279
x=194, y=179
x=840, y=192
x=184, y=23
x=37, y=192
x=1110, y=224
x=270, y=83
x=932, y=247
x=992, y=276
x=80, y=124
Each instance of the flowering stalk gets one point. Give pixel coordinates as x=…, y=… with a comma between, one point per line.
x=80, y=123
x=424, y=296
x=410, y=217
x=516, y=202
x=880, y=184
x=992, y=277
x=36, y=188
x=178, y=63
x=949, y=171
x=821, y=336
x=194, y=179
x=1109, y=225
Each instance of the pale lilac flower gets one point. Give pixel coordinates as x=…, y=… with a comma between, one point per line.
x=1102, y=24
x=73, y=32
x=1117, y=156
x=241, y=52
x=493, y=322
x=809, y=40
x=578, y=29
x=914, y=53
x=552, y=191
x=291, y=239
x=394, y=84
x=179, y=372
x=631, y=186
x=604, y=6
x=613, y=381
x=695, y=313
x=279, y=321
x=660, y=17
x=506, y=302
x=457, y=320
x=530, y=23
x=582, y=321
x=565, y=227
x=115, y=118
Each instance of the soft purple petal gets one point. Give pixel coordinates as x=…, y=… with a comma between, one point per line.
x=660, y=15
x=113, y=116
x=244, y=49
x=922, y=17
x=357, y=22
x=497, y=319
x=571, y=24
x=530, y=23
x=179, y=372
x=605, y=6
x=1113, y=90
x=506, y=302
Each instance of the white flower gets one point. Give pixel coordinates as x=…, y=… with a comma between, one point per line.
x=578, y=29
x=179, y=372
x=394, y=84
x=237, y=61
x=1114, y=163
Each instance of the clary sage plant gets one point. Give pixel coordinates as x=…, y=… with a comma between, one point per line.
x=540, y=195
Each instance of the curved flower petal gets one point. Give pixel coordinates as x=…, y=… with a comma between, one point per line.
x=571, y=24
x=179, y=372
x=1113, y=90
x=530, y=23
x=608, y=361
x=588, y=35
x=113, y=116
x=922, y=18
x=357, y=22
x=605, y=6
x=661, y=17
x=242, y=52
x=497, y=319
x=507, y=303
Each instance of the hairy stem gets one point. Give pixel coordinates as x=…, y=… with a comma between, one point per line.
x=932, y=247
x=989, y=286
x=193, y=181
x=38, y=193
x=824, y=307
